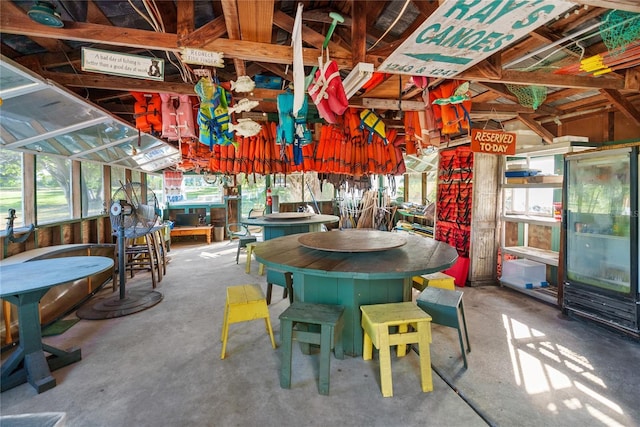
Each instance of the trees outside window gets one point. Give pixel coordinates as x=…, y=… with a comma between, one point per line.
x=53, y=189
x=11, y=189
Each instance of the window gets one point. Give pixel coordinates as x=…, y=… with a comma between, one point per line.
x=254, y=192
x=197, y=190
x=154, y=183
x=415, y=188
x=117, y=178
x=92, y=190
x=53, y=189
x=11, y=186
x=532, y=201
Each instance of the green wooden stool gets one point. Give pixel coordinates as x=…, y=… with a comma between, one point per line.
x=297, y=323
x=446, y=308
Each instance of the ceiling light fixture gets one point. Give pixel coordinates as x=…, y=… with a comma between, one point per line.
x=44, y=12
x=360, y=74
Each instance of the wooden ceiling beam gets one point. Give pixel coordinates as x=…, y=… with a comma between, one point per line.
x=502, y=90
x=628, y=5
x=277, y=70
x=491, y=107
x=95, y=14
x=15, y=21
x=185, y=16
x=271, y=53
x=309, y=36
x=256, y=19
x=529, y=121
x=168, y=13
x=103, y=81
x=622, y=104
x=51, y=45
x=212, y=30
x=358, y=36
x=230, y=9
x=562, y=94
x=545, y=79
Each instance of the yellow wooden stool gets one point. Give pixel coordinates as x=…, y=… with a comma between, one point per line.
x=244, y=303
x=438, y=280
x=376, y=321
x=250, y=247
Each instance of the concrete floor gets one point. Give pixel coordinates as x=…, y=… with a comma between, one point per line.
x=529, y=366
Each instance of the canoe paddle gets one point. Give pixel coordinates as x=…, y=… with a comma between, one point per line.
x=336, y=18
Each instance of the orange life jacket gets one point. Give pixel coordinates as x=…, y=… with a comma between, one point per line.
x=148, y=112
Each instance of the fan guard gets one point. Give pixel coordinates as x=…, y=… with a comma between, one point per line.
x=134, y=207
x=134, y=211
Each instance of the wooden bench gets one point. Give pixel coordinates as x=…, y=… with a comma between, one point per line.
x=202, y=230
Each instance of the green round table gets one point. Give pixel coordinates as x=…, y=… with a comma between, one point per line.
x=352, y=279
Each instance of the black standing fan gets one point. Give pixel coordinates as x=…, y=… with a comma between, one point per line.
x=134, y=211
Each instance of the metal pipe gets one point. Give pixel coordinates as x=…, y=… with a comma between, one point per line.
x=549, y=46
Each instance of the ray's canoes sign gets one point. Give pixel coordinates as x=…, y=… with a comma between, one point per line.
x=461, y=33
x=493, y=142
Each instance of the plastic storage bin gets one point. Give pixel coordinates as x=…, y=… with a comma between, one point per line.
x=524, y=273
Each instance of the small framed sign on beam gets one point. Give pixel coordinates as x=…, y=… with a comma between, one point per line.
x=120, y=64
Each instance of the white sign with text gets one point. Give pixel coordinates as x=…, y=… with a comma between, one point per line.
x=461, y=33
x=114, y=63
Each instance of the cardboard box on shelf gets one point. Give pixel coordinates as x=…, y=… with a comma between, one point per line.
x=545, y=179
x=517, y=181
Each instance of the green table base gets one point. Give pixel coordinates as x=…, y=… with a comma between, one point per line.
x=28, y=362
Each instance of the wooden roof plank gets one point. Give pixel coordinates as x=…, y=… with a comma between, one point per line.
x=210, y=31
x=545, y=79
x=529, y=121
x=358, y=36
x=186, y=18
x=622, y=104
x=256, y=20
x=230, y=9
x=313, y=38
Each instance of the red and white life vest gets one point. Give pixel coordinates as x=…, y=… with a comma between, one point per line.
x=327, y=91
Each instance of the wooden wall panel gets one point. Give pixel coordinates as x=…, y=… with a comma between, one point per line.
x=539, y=236
x=484, y=235
x=624, y=129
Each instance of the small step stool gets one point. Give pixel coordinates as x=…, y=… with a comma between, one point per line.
x=446, y=308
x=297, y=323
x=439, y=280
x=376, y=321
x=244, y=303
x=250, y=247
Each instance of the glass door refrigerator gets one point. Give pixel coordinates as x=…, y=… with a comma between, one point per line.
x=601, y=237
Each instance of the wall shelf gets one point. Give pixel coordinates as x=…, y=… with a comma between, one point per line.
x=544, y=256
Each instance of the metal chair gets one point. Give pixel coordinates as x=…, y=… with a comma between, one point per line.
x=240, y=232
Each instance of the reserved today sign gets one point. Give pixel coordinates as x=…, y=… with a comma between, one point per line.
x=493, y=142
